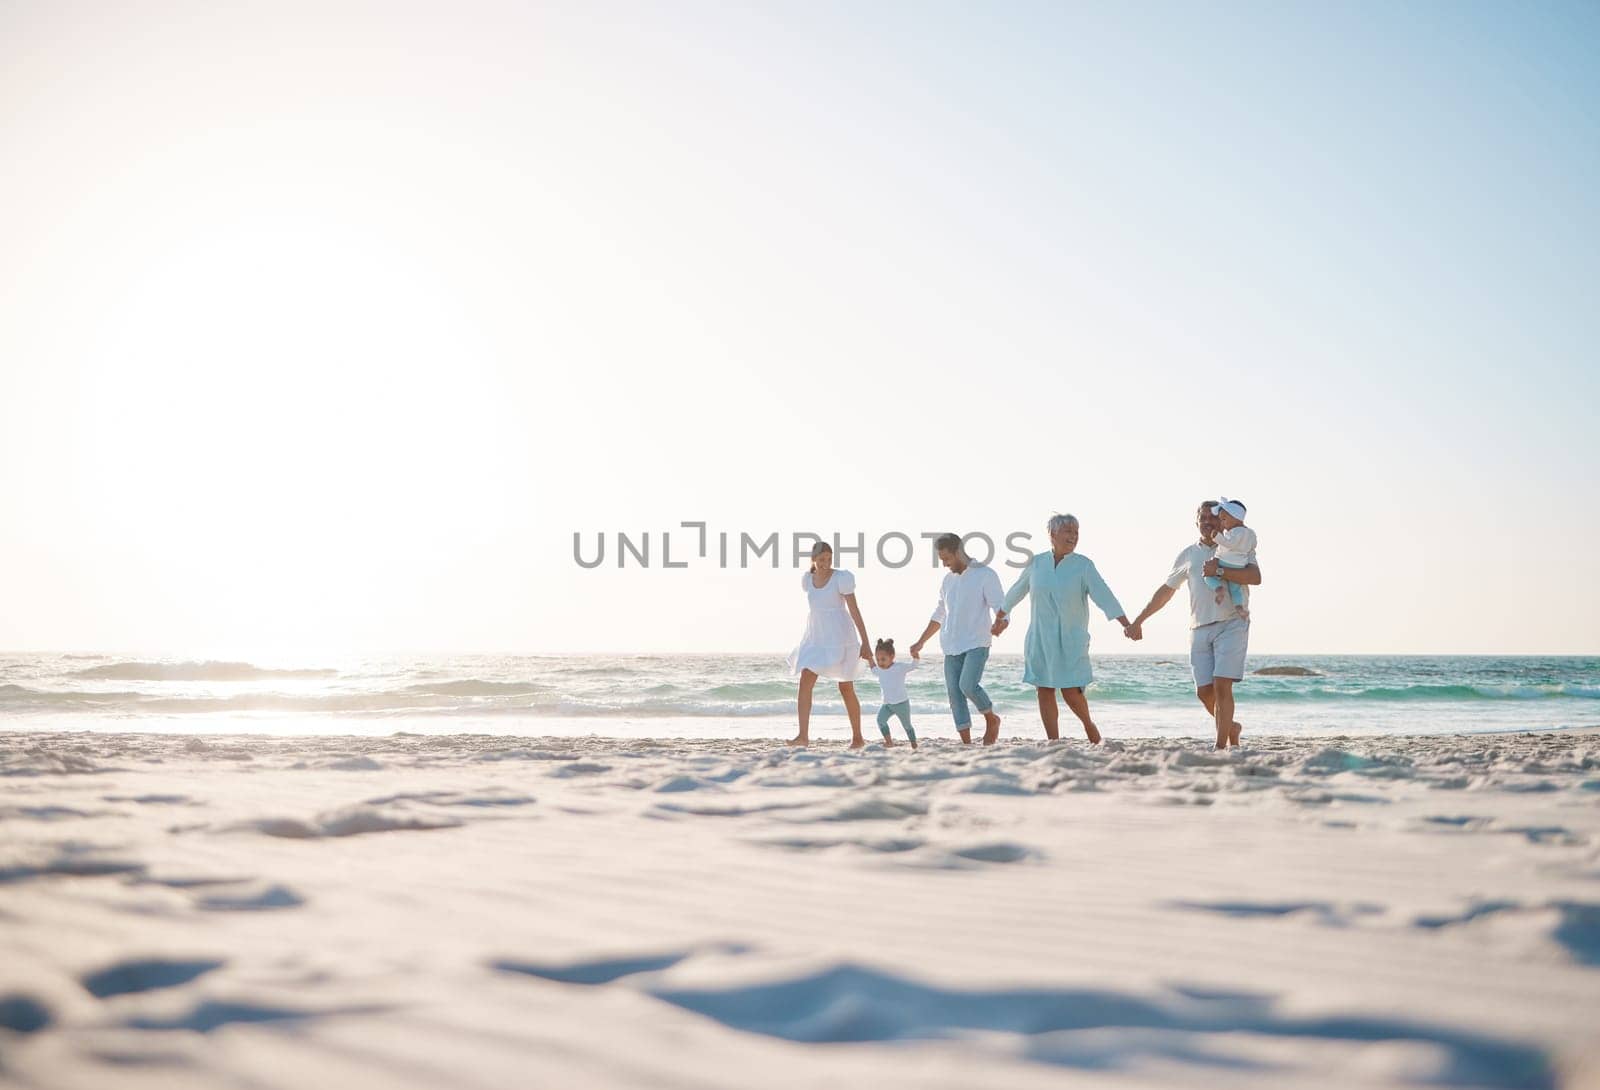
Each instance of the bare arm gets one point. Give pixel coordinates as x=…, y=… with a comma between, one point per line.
x=1101, y=595
x=861, y=626
x=1018, y=591
x=1161, y=597
x=1249, y=575
x=933, y=622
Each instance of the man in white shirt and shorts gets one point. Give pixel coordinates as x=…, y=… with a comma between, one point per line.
x=1218, y=635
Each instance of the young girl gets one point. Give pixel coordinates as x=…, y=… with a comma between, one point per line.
x=892, y=679
x=1236, y=546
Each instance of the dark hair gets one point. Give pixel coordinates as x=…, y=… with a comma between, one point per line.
x=948, y=543
x=885, y=645
x=817, y=550
x=1205, y=505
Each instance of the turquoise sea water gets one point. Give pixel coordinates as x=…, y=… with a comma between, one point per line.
x=751, y=695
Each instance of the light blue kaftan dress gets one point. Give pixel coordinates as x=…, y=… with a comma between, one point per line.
x=1056, y=650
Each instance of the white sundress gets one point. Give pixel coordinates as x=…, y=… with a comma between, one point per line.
x=831, y=647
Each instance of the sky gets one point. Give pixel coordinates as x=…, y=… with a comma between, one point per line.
x=325, y=327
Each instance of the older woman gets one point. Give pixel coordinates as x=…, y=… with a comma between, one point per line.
x=829, y=648
x=1056, y=649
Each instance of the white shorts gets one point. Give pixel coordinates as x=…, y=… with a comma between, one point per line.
x=1218, y=649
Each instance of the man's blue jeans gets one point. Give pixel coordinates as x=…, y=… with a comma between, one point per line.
x=962, y=673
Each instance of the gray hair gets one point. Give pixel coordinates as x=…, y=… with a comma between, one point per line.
x=950, y=543
x=1060, y=522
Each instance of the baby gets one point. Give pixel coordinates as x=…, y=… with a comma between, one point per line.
x=1235, y=543
x=892, y=679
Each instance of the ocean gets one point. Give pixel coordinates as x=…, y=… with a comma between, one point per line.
x=751, y=696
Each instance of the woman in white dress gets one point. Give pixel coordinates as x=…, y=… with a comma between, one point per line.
x=829, y=648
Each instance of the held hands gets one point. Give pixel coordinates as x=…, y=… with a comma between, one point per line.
x=1134, y=631
x=866, y=653
x=999, y=626
x=916, y=650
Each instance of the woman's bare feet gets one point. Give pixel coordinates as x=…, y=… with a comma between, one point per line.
x=858, y=742
x=1092, y=732
x=798, y=740
x=1234, y=731
x=888, y=743
x=991, y=728
x=913, y=743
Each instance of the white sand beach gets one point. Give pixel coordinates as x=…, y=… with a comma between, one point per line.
x=463, y=911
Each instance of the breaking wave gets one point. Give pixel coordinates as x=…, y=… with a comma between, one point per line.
x=193, y=671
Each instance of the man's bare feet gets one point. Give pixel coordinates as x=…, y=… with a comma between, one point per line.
x=991, y=728
x=798, y=740
x=1092, y=732
x=888, y=743
x=1233, y=733
x=913, y=743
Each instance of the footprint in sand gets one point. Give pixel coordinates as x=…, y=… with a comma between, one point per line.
x=154, y=800
x=23, y=1014
x=267, y=899
x=69, y=865
x=1573, y=925
x=452, y=798
x=1467, y=822
x=1546, y=834
x=1325, y=912
x=144, y=975
x=1093, y=1030
x=211, y=1015
x=51, y=813
x=607, y=970
x=351, y=821
x=888, y=845
x=998, y=852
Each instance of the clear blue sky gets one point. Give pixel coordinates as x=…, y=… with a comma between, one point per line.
x=327, y=325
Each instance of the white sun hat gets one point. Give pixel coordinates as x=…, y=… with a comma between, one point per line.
x=1233, y=507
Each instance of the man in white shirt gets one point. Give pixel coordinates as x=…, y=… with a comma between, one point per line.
x=1218, y=635
x=967, y=598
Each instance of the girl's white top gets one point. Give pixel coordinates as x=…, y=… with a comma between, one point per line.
x=831, y=646
x=893, y=680
x=1235, y=546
